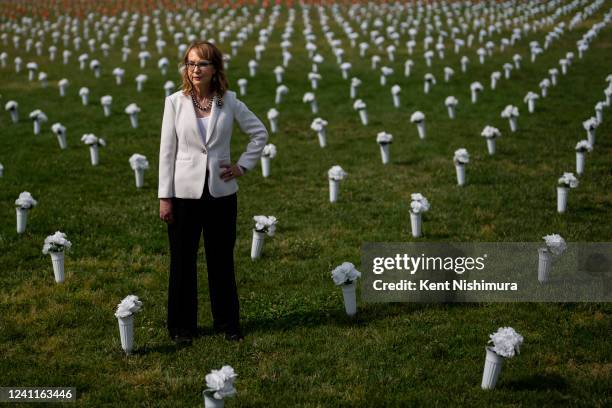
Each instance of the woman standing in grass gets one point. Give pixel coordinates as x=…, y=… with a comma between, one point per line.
x=197, y=189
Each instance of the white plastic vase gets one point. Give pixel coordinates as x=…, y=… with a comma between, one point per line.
x=396, y=100
x=474, y=96
x=273, y=125
x=492, y=369
x=363, y=115
x=279, y=78
x=385, y=152
x=212, y=402
x=460, y=168
x=531, y=105
x=126, y=332
x=139, y=175
x=513, y=124
x=134, y=120
x=544, y=262
x=22, y=219
x=599, y=115
x=57, y=258
x=383, y=80
x=36, y=126
x=421, y=130
x=590, y=136
x=85, y=99
x=350, y=299
x=314, y=108
x=14, y=115
x=491, y=145
x=353, y=92
x=94, y=154
x=562, y=199
x=451, y=111
x=579, y=163
x=257, y=244
x=107, y=110
x=265, y=166
x=416, y=221
x=61, y=139
x=322, y=138
x=426, y=87
x=334, y=186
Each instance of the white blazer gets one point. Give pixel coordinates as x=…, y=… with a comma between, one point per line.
x=184, y=158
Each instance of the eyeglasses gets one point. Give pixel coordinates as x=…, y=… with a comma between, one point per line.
x=202, y=64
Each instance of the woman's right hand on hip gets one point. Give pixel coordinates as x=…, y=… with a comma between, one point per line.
x=165, y=210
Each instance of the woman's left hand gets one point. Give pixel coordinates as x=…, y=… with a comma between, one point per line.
x=230, y=171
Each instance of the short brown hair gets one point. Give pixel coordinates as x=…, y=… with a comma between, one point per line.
x=210, y=52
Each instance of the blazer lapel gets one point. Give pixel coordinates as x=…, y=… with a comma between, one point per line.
x=193, y=123
x=214, y=114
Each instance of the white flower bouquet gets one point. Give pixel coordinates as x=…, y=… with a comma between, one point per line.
x=84, y=94
x=125, y=317
x=23, y=204
x=220, y=384
x=355, y=83
x=106, y=101
x=55, y=245
x=461, y=158
x=418, y=118
x=310, y=98
x=555, y=245
x=395, y=93
x=511, y=113
x=565, y=182
x=582, y=147
x=429, y=81
x=384, y=139
x=335, y=175
x=38, y=117
x=475, y=89
x=139, y=164
x=506, y=342
x=319, y=125
x=490, y=133
x=133, y=110
x=263, y=225
x=13, y=108
x=94, y=143
x=268, y=153
x=418, y=206
x=60, y=132
x=273, y=114
x=345, y=276
x=360, y=106
x=280, y=91
x=530, y=99
x=451, y=102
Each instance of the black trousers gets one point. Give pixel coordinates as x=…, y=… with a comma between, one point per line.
x=216, y=218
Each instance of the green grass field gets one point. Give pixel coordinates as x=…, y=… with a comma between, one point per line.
x=300, y=348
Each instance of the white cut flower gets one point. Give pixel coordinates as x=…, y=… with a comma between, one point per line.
x=419, y=203
x=25, y=200
x=510, y=111
x=308, y=97
x=584, y=146
x=490, y=132
x=336, y=173
x=91, y=139
x=345, y=274
x=555, y=243
x=318, y=124
x=128, y=306
x=506, y=342
x=568, y=180
x=461, y=156
x=359, y=104
x=269, y=150
x=451, y=101
x=220, y=383
x=384, y=138
x=131, y=109
x=56, y=243
x=265, y=224
x=417, y=117
x=273, y=114
x=590, y=124
x=138, y=162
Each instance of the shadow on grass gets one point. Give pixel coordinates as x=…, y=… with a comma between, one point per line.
x=538, y=382
x=337, y=317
